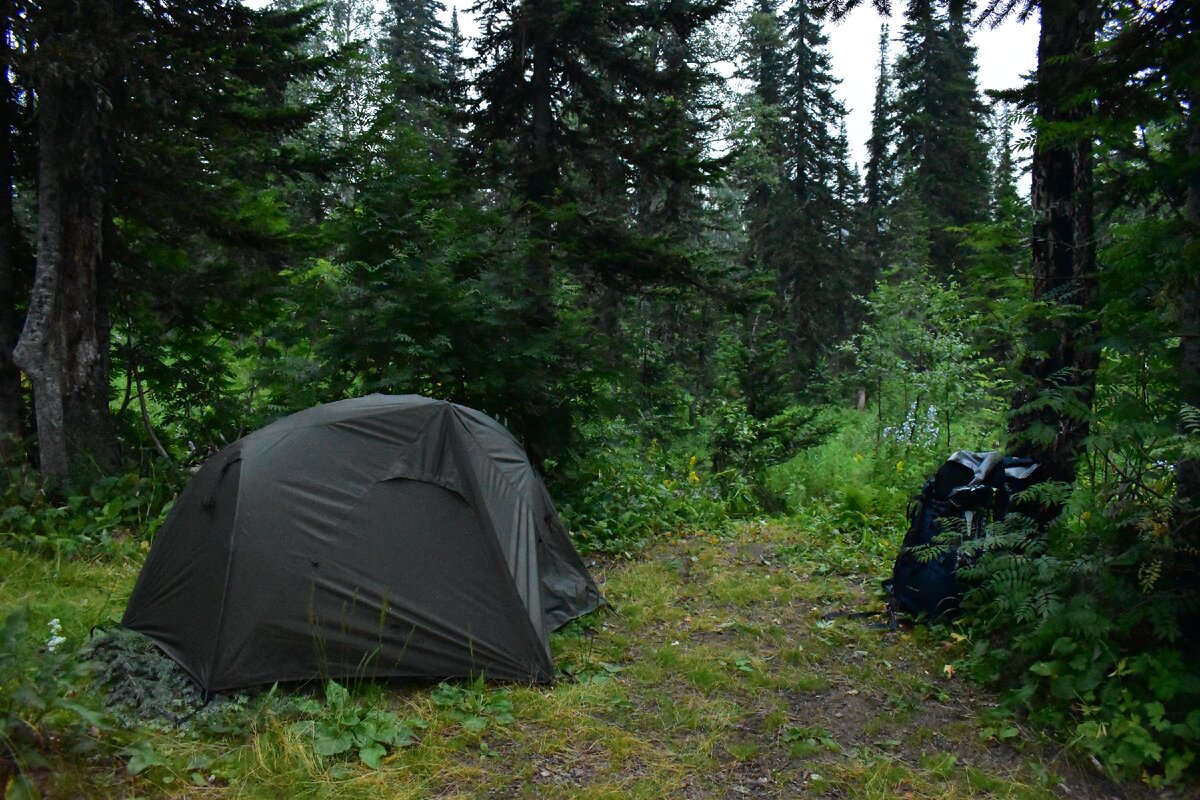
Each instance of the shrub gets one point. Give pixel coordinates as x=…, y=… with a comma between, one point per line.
x=116, y=515
x=37, y=718
x=1081, y=628
x=621, y=494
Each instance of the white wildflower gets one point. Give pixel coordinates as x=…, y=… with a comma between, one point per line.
x=55, y=639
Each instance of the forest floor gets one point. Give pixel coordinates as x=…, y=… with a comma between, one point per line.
x=725, y=666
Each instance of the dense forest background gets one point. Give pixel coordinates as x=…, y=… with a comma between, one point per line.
x=674, y=287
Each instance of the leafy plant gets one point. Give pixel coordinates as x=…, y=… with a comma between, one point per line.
x=805, y=741
x=473, y=705
x=341, y=725
x=37, y=714
x=1081, y=629
x=116, y=515
x=622, y=494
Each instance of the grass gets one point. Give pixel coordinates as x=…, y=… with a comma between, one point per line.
x=715, y=672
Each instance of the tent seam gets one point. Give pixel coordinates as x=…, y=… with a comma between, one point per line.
x=493, y=544
x=237, y=507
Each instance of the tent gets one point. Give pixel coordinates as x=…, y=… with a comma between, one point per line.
x=381, y=536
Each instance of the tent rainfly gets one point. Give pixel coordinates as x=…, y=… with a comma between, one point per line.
x=381, y=536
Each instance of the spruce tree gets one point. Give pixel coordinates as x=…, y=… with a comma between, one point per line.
x=801, y=193
x=762, y=368
x=942, y=150
x=416, y=48
x=881, y=173
x=126, y=94
x=14, y=257
x=456, y=80
x=580, y=120
x=816, y=276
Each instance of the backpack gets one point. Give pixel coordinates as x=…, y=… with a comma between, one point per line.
x=972, y=487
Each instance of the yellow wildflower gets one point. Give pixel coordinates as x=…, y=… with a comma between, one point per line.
x=693, y=477
x=900, y=465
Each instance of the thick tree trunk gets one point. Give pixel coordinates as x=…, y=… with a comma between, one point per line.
x=11, y=286
x=64, y=344
x=1187, y=475
x=1064, y=350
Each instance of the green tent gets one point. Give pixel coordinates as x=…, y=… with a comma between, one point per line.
x=381, y=536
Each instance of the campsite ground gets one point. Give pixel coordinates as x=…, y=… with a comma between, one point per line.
x=724, y=667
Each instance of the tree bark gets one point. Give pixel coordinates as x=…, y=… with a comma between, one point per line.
x=1187, y=474
x=63, y=346
x=12, y=429
x=1064, y=353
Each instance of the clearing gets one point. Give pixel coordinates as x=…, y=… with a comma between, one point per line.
x=721, y=669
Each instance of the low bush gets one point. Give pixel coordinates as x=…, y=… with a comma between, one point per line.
x=1081, y=626
x=41, y=713
x=116, y=515
x=621, y=492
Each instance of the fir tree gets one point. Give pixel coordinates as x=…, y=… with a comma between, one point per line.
x=942, y=151
x=14, y=255
x=881, y=175
x=816, y=277
x=126, y=94
x=417, y=53
x=456, y=80
x=762, y=367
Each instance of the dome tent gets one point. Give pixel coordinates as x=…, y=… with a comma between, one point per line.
x=381, y=536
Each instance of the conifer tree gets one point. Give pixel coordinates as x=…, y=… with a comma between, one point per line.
x=1063, y=354
x=816, y=277
x=456, y=80
x=942, y=151
x=13, y=248
x=580, y=119
x=881, y=174
x=762, y=371
x=801, y=192
x=416, y=47
x=125, y=94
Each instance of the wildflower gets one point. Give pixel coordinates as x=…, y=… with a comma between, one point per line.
x=948, y=670
x=1087, y=515
x=693, y=477
x=900, y=465
x=55, y=639
x=858, y=456
x=692, y=461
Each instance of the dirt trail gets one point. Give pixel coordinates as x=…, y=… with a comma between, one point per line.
x=741, y=668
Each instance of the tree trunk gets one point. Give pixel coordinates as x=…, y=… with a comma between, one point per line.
x=63, y=346
x=1064, y=350
x=12, y=429
x=1187, y=475
x=542, y=180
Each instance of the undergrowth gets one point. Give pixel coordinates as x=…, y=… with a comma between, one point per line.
x=623, y=492
x=116, y=515
x=1081, y=629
